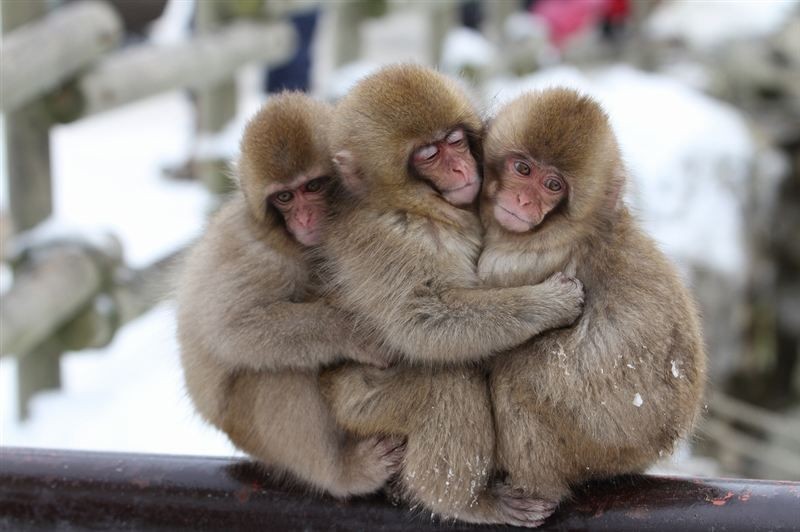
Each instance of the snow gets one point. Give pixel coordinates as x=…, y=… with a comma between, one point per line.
x=107, y=179
x=712, y=25
x=465, y=47
x=127, y=397
x=107, y=176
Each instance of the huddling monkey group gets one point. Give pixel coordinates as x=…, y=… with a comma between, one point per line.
x=404, y=295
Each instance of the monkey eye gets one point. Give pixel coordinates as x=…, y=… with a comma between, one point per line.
x=522, y=168
x=284, y=197
x=426, y=153
x=455, y=137
x=553, y=185
x=315, y=185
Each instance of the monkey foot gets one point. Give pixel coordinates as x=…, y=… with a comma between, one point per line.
x=374, y=461
x=514, y=507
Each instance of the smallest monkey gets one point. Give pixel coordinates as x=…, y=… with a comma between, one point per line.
x=254, y=332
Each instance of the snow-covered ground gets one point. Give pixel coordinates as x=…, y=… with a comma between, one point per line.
x=129, y=396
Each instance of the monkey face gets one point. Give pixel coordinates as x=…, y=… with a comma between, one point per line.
x=527, y=191
x=449, y=166
x=303, y=205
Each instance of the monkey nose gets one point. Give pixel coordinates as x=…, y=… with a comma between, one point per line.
x=305, y=218
x=523, y=200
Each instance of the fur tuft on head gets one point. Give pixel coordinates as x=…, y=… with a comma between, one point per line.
x=386, y=113
x=287, y=137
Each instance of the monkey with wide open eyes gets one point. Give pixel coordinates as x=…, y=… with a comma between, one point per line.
x=614, y=391
x=402, y=255
x=253, y=330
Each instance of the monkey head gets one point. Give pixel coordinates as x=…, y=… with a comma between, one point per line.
x=406, y=129
x=285, y=165
x=551, y=156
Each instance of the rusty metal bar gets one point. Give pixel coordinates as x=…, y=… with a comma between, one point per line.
x=70, y=490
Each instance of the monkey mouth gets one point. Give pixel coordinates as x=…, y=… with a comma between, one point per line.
x=451, y=190
x=518, y=217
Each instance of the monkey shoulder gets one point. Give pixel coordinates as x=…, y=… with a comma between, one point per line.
x=235, y=257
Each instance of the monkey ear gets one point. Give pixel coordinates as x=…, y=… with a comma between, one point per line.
x=348, y=170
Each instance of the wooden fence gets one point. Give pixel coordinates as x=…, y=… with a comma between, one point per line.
x=61, y=65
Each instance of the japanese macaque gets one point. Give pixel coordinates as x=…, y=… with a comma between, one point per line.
x=402, y=255
x=618, y=388
x=254, y=332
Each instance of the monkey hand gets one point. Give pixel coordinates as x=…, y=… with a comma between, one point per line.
x=565, y=298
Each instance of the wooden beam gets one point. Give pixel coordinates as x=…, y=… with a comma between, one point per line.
x=44, y=296
x=40, y=55
x=146, y=70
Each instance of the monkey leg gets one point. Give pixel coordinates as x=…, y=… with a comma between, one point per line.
x=449, y=455
x=530, y=447
x=366, y=400
x=446, y=415
x=282, y=420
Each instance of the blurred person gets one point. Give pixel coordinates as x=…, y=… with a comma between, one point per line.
x=566, y=19
x=295, y=73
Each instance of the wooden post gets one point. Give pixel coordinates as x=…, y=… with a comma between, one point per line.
x=30, y=195
x=495, y=14
x=348, y=16
x=145, y=70
x=442, y=19
x=216, y=106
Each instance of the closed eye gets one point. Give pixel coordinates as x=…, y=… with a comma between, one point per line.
x=426, y=153
x=456, y=136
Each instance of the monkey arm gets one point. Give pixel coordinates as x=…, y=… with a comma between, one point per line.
x=465, y=324
x=283, y=335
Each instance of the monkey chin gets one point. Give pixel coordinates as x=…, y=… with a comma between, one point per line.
x=512, y=222
x=307, y=238
x=464, y=195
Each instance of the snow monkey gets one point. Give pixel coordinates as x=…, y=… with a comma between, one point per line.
x=402, y=257
x=253, y=331
x=618, y=388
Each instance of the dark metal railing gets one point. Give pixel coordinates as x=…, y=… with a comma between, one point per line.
x=72, y=490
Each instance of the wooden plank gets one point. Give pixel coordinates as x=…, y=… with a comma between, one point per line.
x=40, y=55
x=44, y=296
x=146, y=70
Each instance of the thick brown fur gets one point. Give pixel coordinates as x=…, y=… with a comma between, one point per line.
x=254, y=332
x=616, y=390
x=403, y=260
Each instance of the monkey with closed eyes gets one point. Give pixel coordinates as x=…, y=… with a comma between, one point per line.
x=615, y=390
x=253, y=329
x=402, y=257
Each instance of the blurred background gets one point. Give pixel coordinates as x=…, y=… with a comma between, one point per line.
x=120, y=118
